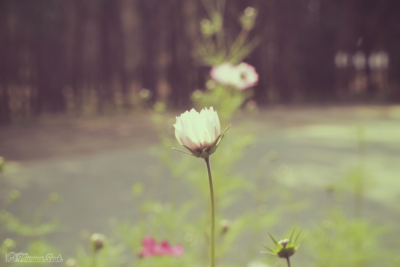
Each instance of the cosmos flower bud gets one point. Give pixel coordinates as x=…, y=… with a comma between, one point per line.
x=97, y=241
x=207, y=28
x=211, y=84
x=54, y=197
x=248, y=18
x=284, y=248
x=225, y=226
x=145, y=94
x=71, y=263
x=200, y=133
x=14, y=195
x=9, y=243
x=197, y=94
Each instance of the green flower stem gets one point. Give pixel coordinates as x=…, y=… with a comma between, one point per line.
x=212, y=242
x=288, y=261
x=94, y=258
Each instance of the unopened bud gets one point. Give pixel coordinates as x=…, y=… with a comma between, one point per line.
x=71, y=263
x=284, y=248
x=287, y=250
x=207, y=27
x=330, y=188
x=137, y=189
x=248, y=18
x=197, y=94
x=211, y=84
x=9, y=243
x=54, y=197
x=159, y=107
x=145, y=94
x=97, y=241
x=225, y=226
x=13, y=195
x=250, y=12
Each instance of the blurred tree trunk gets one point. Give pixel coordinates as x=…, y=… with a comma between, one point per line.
x=7, y=51
x=77, y=70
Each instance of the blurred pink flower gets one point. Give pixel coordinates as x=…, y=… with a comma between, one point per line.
x=242, y=76
x=248, y=76
x=224, y=73
x=151, y=248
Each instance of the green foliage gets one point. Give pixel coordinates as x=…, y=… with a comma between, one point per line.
x=14, y=225
x=110, y=255
x=339, y=241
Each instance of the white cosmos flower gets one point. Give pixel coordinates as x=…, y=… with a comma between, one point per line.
x=196, y=130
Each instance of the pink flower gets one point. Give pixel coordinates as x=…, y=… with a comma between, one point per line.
x=242, y=76
x=224, y=73
x=248, y=76
x=151, y=248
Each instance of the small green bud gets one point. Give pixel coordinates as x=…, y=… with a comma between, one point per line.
x=284, y=248
x=9, y=243
x=211, y=84
x=54, y=197
x=14, y=195
x=159, y=107
x=197, y=94
x=287, y=249
x=225, y=226
x=97, y=241
x=71, y=263
x=248, y=18
x=207, y=28
x=145, y=94
x=137, y=189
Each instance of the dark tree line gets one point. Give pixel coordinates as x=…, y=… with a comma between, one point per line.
x=58, y=55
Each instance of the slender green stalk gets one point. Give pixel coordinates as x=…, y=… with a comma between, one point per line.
x=212, y=241
x=94, y=258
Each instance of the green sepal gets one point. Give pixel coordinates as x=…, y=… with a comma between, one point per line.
x=218, y=141
x=273, y=239
x=269, y=253
x=205, y=154
x=191, y=154
x=273, y=251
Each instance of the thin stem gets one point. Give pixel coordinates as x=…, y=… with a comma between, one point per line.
x=212, y=241
x=288, y=261
x=94, y=258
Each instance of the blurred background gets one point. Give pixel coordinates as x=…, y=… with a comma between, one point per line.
x=89, y=91
x=83, y=56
